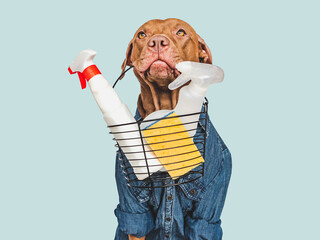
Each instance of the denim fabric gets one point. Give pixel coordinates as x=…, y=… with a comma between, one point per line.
x=190, y=211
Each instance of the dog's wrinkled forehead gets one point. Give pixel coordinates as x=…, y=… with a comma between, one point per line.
x=168, y=26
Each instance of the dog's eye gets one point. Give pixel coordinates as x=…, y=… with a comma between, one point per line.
x=141, y=35
x=181, y=33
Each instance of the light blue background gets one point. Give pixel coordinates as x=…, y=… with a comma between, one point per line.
x=57, y=159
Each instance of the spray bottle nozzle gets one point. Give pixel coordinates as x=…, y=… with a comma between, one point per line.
x=84, y=66
x=202, y=74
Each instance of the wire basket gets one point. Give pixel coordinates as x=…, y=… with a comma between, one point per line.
x=162, y=178
x=159, y=179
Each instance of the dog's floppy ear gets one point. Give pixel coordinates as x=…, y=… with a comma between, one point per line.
x=127, y=60
x=204, y=51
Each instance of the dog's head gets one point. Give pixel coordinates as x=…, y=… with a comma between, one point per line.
x=157, y=46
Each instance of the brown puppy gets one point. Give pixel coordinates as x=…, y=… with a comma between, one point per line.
x=157, y=46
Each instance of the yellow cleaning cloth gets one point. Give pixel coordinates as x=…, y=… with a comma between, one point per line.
x=173, y=145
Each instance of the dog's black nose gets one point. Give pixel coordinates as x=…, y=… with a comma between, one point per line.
x=158, y=43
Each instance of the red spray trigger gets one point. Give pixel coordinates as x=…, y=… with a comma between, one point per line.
x=81, y=78
x=86, y=75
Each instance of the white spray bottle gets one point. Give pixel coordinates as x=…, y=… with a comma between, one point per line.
x=115, y=112
x=191, y=97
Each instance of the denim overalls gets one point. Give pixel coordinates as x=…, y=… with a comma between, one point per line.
x=190, y=211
